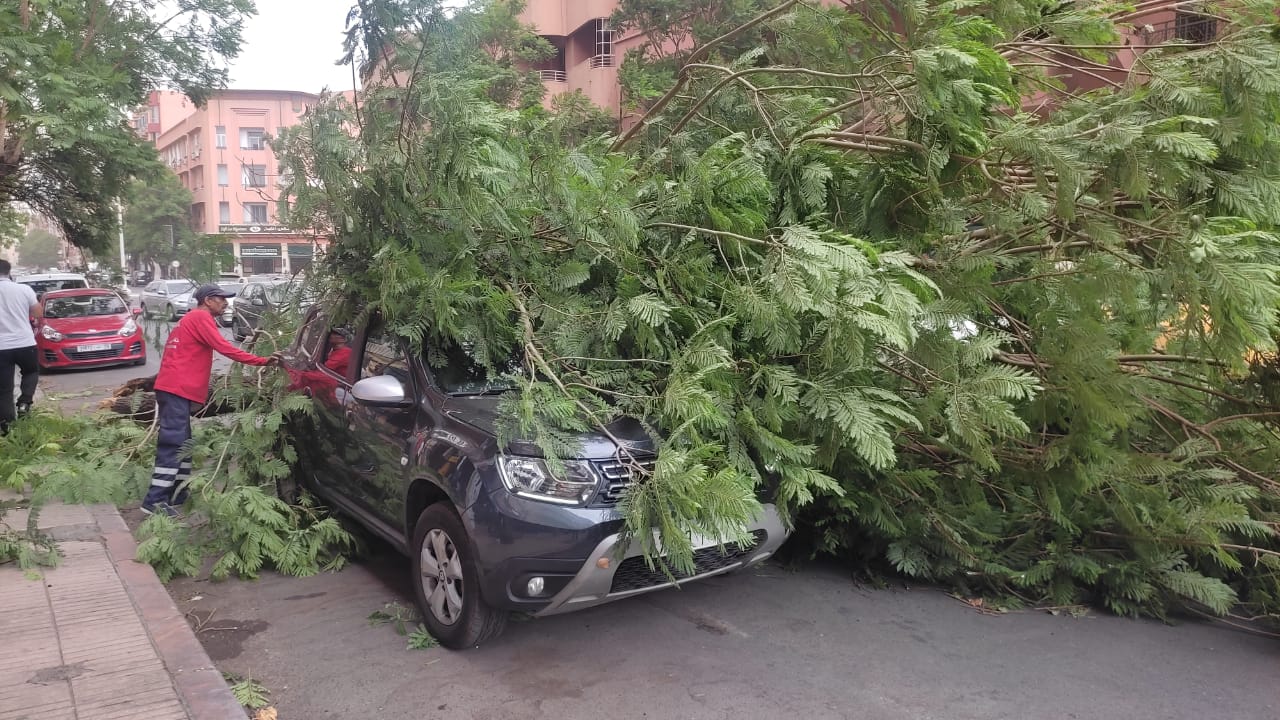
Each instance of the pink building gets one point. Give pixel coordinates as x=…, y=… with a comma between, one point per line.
x=220, y=154
x=588, y=51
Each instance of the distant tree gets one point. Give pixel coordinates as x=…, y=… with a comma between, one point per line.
x=39, y=249
x=157, y=217
x=68, y=68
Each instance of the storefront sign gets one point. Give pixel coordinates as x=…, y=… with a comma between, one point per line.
x=255, y=229
x=250, y=250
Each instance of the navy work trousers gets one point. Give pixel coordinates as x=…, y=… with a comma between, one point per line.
x=173, y=454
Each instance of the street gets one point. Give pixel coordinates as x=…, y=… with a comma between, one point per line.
x=766, y=643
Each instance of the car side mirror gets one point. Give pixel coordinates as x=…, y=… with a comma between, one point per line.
x=259, y=302
x=162, y=292
x=380, y=391
x=137, y=311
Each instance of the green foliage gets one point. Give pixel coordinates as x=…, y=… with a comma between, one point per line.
x=248, y=692
x=67, y=71
x=233, y=516
x=401, y=618
x=157, y=213
x=39, y=249
x=850, y=264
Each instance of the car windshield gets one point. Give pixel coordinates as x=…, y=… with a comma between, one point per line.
x=232, y=287
x=459, y=372
x=44, y=286
x=277, y=293
x=84, y=306
x=178, y=286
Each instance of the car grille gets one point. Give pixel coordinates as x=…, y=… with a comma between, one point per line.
x=135, y=348
x=618, y=476
x=50, y=356
x=79, y=335
x=634, y=572
x=115, y=351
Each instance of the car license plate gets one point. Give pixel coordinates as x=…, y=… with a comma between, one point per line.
x=93, y=347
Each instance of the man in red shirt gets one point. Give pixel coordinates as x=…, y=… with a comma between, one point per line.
x=183, y=384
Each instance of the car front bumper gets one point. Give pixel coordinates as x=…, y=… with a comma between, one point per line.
x=616, y=569
x=77, y=353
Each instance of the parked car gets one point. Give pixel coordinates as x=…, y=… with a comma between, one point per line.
x=44, y=282
x=140, y=277
x=232, y=286
x=86, y=328
x=409, y=449
x=262, y=299
x=167, y=298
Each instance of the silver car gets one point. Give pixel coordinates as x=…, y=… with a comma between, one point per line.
x=169, y=299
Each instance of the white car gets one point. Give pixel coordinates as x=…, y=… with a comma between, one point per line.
x=44, y=282
x=169, y=299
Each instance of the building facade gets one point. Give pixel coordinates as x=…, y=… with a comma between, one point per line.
x=219, y=153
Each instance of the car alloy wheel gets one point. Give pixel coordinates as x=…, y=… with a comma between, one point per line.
x=169, y=311
x=446, y=582
x=441, y=576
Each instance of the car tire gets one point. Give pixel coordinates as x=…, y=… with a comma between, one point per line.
x=146, y=314
x=170, y=313
x=446, y=582
x=236, y=332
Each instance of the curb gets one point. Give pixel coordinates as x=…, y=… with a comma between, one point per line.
x=199, y=683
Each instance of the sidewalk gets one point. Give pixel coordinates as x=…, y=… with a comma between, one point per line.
x=97, y=637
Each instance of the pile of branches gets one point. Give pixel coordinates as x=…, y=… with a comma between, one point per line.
x=971, y=318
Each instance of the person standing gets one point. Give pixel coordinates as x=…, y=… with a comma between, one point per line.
x=20, y=311
x=182, y=385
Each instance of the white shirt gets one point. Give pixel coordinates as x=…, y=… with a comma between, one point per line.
x=16, y=301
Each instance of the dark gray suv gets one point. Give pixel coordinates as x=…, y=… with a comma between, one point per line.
x=409, y=449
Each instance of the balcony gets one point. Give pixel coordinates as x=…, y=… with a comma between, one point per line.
x=1186, y=27
x=602, y=61
x=553, y=76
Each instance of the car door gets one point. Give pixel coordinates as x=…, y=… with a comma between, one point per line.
x=384, y=433
x=322, y=439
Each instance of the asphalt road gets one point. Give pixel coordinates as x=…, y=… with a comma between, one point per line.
x=767, y=643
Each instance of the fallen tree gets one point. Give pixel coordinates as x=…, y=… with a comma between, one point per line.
x=1017, y=342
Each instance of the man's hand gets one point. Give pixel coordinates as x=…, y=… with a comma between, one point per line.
x=276, y=360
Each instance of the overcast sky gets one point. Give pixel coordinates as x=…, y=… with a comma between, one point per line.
x=291, y=45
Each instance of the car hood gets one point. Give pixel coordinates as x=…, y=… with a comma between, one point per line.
x=93, y=323
x=481, y=411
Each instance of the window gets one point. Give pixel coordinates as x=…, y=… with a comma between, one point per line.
x=253, y=175
x=155, y=113
x=251, y=139
x=220, y=136
x=222, y=175
x=297, y=104
x=384, y=355
x=224, y=213
x=459, y=370
x=604, y=44
x=255, y=213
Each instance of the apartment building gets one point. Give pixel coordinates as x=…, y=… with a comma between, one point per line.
x=219, y=153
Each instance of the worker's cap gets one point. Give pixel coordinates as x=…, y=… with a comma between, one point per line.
x=345, y=333
x=209, y=290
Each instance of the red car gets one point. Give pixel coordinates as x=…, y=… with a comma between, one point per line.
x=88, y=327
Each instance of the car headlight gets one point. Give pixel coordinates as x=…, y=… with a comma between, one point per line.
x=531, y=478
x=130, y=327
x=49, y=333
